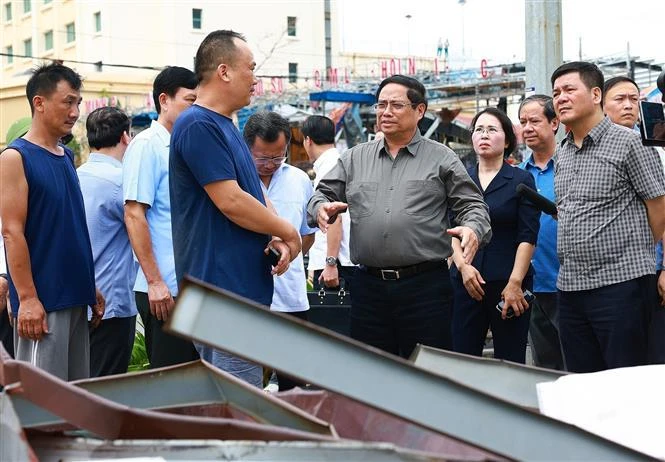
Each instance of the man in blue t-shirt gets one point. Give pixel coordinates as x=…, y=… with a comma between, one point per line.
x=221, y=225
x=49, y=258
x=539, y=125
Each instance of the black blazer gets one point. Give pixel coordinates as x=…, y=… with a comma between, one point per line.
x=514, y=220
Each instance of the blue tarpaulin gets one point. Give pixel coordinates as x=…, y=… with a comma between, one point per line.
x=343, y=97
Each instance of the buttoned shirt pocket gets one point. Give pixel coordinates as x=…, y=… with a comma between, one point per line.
x=362, y=198
x=422, y=198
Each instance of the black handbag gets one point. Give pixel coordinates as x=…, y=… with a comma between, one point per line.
x=331, y=309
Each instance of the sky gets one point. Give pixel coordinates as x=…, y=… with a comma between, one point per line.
x=494, y=29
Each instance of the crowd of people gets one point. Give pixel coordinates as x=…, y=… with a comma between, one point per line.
x=435, y=254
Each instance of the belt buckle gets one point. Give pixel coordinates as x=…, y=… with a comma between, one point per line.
x=389, y=275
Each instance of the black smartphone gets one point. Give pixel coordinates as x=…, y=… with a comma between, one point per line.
x=333, y=218
x=652, y=123
x=274, y=256
x=528, y=296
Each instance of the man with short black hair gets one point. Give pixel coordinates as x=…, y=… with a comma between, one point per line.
x=145, y=185
x=329, y=257
x=621, y=97
x=49, y=259
x=221, y=225
x=611, y=208
x=115, y=270
x=539, y=126
x=400, y=190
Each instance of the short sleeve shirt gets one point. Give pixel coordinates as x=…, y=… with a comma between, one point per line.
x=289, y=191
x=604, y=235
x=205, y=148
x=146, y=180
x=115, y=268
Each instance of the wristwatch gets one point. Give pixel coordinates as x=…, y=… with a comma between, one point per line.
x=331, y=261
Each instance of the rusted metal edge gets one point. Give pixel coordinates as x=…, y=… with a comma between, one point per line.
x=110, y=420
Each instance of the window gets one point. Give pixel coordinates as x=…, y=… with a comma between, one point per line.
x=291, y=26
x=10, y=54
x=48, y=40
x=27, y=47
x=71, y=32
x=197, y=18
x=27, y=6
x=98, y=21
x=8, y=11
x=293, y=72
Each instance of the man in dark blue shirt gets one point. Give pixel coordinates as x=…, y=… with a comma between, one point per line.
x=49, y=259
x=221, y=225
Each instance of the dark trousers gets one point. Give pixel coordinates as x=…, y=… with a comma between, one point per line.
x=656, y=354
x=286, y=382
x=544, y=332
x=111, y=346
x=6, y=331
x=607, y=327
x=163, y=349
x=396, y=315
x=471, y=320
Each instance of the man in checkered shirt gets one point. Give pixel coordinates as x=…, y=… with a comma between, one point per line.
x=611, y=209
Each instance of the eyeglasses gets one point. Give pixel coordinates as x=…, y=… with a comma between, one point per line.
x=271, y=160
x=396, y=105
x=489, y=130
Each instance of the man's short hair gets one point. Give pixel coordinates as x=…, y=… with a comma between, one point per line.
x=266, y=125
x=45, y=79
x=320, y=129
x=544, y=101
x=415, y=90
x=506, y=126
x=614, y=81
x=105, y=127
x=170, y=80
x=589, y=73
x=217, y=48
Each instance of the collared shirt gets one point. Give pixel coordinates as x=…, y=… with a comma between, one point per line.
x=289, y=190
x=399, y=207
x=115, y=269
x=604, y=233
x=545, y=261
x=146, y=180
x=319, y=251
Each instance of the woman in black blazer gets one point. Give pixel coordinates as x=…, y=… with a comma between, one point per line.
x=502, y=269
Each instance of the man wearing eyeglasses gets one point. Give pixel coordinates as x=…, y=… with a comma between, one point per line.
x=399, y=191
x=267, y=135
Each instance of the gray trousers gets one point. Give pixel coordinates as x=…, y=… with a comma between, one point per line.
x=65, y=350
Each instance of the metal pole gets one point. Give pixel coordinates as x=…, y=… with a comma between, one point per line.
x=544, y=51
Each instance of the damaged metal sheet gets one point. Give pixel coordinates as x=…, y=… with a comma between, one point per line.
x=56, y=449
x=110, y=420
x=197, y=384
x=224, y=320
x=357, y=421
x=13, y=442
x=503, y=379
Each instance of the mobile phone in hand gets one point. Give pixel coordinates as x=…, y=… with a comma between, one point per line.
x=528, y=296
x=274, y=256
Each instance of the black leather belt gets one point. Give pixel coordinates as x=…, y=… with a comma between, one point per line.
x=393, y=274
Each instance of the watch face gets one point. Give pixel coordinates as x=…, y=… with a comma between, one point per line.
x=331, y=261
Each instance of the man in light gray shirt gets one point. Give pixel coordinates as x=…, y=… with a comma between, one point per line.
x=399, y=192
